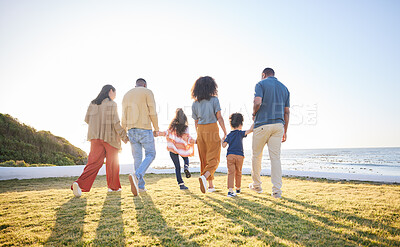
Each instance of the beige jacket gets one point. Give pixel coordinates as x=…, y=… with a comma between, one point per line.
x=104, y=123
x=139, y=109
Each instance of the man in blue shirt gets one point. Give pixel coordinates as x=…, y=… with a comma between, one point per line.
x=271, y=119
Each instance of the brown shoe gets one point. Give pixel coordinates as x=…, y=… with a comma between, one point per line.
x=134, y=184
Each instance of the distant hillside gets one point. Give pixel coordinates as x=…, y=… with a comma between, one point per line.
x=22, y=142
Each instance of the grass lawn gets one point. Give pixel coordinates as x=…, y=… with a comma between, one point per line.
x=312, y=213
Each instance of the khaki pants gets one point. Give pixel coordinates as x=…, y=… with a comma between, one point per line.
x=234, y=163
x=270, y=134
x=209, y=145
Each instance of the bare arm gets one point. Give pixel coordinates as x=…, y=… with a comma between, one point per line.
x=221, y=123
x=256, y=105
x=161, y=133
x=286, y=118
x=196, y=123
x=250, y=130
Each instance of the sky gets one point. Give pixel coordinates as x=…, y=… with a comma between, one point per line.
x=339, y=60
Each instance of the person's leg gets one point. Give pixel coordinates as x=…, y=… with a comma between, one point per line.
x=213, y=143
x=230, y=163
x=147, y=141
x=238, y=171
x=202, y=148
x=95, y=162
x=175, y=159
x=112, y=167
x=186, y=163
x=136, y=146
x=259, y=141
x=274, y=148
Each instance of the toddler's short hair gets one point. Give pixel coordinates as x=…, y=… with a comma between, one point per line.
x=236, y=119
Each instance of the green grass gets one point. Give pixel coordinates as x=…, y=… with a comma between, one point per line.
x=312, y=212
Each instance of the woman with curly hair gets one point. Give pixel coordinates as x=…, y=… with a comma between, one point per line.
x=179, y=143
x=206, y=112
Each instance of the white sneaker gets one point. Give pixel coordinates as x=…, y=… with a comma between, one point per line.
x=142, y=190
x=77, y=191
x=256, y=189
x=211, y=190
x=110, y=190
x=203, y=183
x=276, y=195
x=134, y=184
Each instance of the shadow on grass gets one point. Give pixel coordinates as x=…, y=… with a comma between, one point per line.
x=152, y=223
x=350, y=218
x=40, y=184
x=68, y=229
x=110, y=231
x=278, y=227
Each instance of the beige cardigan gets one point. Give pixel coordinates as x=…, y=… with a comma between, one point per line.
x=104, y=123
x=139, y=110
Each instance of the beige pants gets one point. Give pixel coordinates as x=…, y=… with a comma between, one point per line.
x=270, y=134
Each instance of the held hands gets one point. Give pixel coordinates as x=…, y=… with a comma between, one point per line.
x=155, y=133
x=284, y=137
x=125, y=139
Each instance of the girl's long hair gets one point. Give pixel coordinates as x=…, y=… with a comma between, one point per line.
x=103, y=94
x=179, y=124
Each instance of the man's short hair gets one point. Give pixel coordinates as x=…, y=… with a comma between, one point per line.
x=236, y=120
x=141, y=81
x=269, y=72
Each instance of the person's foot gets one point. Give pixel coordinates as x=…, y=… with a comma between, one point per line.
x=238, y=191
x=231, y=194
x=111, y=190
x=203, y=183
x=76, y=189
x=257, y=189
x=183, y=187
x=142, y=190
x=211, y=190
x=134, y=184
x=187, y=173
x=276, y=195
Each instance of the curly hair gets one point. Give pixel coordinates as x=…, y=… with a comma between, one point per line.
x=236, y=120
x=180, y=123
x=204, y=88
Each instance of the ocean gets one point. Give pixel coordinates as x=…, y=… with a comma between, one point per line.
x=367, y=161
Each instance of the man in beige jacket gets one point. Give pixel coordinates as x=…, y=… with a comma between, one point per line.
x=138, y=113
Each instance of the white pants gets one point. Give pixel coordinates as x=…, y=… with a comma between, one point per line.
x=270, y=134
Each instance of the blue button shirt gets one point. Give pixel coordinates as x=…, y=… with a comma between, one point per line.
x=235, y=141
x=275, y=97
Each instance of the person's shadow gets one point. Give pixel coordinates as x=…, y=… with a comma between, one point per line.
x=271, y=223
x=68, y=229
x=152, y=223
x=110, y=231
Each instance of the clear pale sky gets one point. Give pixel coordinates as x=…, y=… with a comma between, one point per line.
x=339, y=59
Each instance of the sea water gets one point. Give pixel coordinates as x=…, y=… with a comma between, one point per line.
x=368, y=161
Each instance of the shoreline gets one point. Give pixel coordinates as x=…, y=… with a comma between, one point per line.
x=8, y=173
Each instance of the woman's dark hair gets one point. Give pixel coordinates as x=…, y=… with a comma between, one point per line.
x=103, y=94
x=179, y=124
x=236, y=120
x=204, y=88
